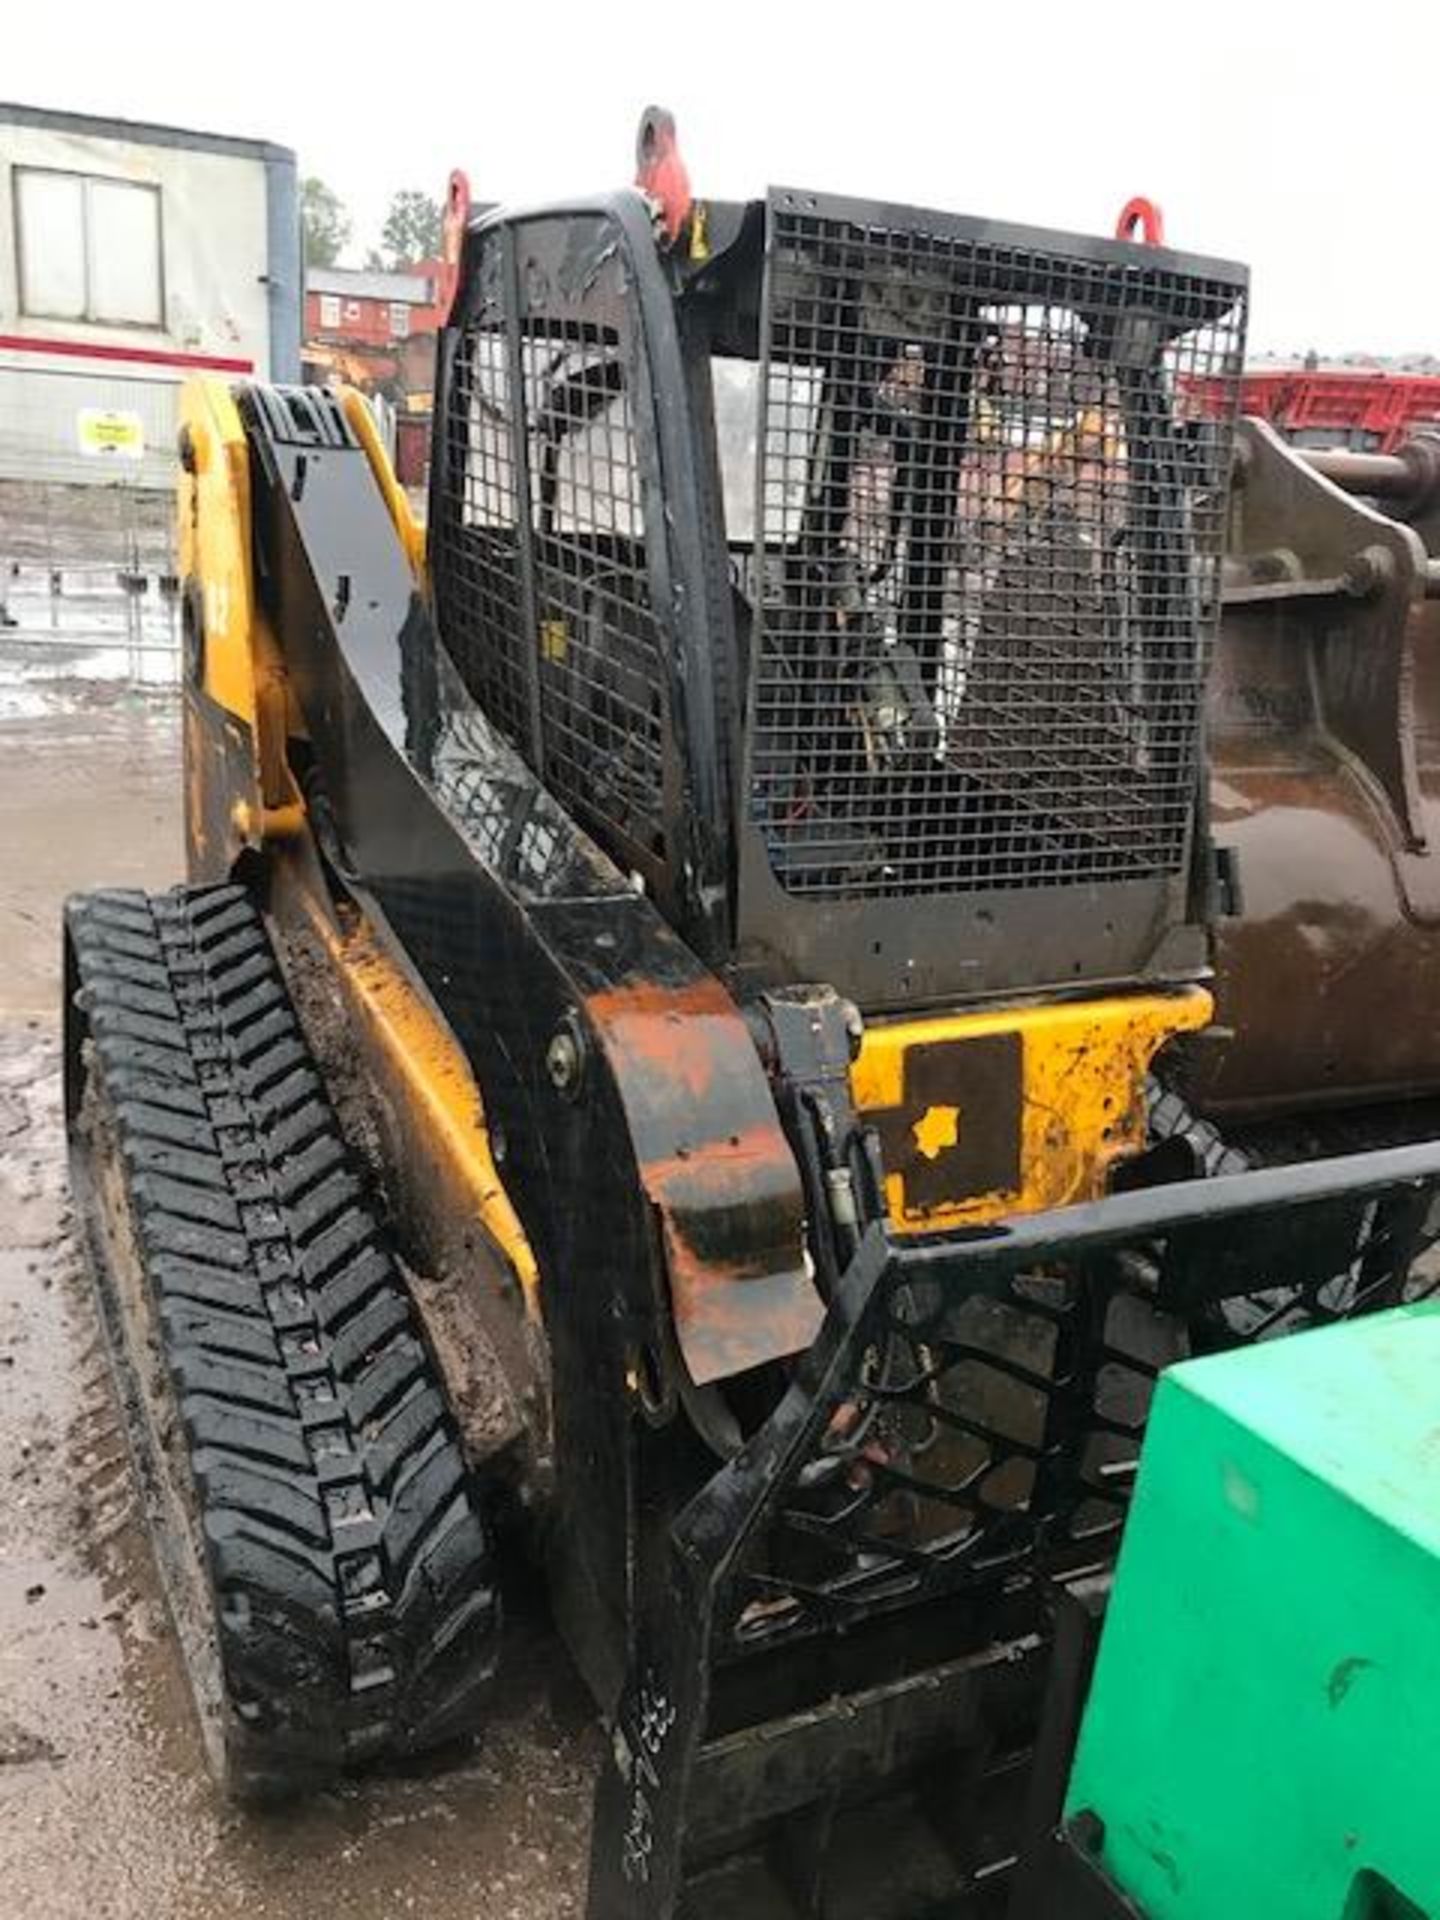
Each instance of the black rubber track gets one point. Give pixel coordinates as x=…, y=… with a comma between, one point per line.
x=1171, y=1119
x=353, y=1612
x=1244, y=1316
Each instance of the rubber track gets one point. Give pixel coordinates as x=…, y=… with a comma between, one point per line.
x=354, y=1612
x=1244, y=1316
x=1169, y=1118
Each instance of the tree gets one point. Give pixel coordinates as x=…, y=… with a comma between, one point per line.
x=323, y=221
x=412, y=229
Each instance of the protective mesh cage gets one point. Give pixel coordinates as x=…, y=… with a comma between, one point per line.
x=992, y=534
x=975, y=1432
x=540, y=561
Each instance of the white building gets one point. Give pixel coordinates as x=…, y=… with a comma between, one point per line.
x=131, y=256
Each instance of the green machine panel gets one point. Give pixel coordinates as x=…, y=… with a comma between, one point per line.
x=1262, y=1737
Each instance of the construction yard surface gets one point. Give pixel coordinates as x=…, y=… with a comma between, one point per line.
x=106, y=1812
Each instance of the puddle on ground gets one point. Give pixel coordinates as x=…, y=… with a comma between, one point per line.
x=105, y=1807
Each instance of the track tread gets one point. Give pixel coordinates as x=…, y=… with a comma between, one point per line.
x=355, y=1614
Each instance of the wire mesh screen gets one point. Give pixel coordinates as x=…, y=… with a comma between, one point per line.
x=600, y=666
x=541, y=563
x=991, y=556
x=981, y=1429
x=477, y=564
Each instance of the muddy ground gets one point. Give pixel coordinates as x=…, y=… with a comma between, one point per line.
x=105, y=1809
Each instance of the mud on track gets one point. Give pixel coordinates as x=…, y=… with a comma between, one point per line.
x=106, y=1812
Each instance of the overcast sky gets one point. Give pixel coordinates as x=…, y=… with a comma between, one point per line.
x=1301, y=139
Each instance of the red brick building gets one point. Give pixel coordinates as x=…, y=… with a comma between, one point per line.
x=350, y=307
x=376, y=331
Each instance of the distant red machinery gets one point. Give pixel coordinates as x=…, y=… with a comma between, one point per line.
x=1365, y=410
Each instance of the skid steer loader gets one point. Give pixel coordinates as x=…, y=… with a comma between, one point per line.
x=654, y=1062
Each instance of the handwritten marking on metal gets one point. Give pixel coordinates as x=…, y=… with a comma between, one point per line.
x=640, y=1762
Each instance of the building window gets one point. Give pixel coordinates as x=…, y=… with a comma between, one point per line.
x=89, y=248
x=329, y=309
x=400, y=319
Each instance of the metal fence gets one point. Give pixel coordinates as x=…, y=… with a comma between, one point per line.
x=88, y=587
x=87, y=508
x=87, y=583
x=41, y=425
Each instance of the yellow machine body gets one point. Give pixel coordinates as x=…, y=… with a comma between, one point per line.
x=1013, y=1109
x=982, y=1112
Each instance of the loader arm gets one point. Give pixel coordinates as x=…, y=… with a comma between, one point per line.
x=575, y=1003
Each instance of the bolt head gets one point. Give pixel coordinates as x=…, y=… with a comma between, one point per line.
x=562, y=1061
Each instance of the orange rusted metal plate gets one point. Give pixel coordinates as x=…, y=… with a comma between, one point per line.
x=718, y=1169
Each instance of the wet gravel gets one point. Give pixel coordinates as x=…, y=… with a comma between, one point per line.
x=106, y=1812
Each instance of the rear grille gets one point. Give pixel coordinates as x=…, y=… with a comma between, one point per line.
x=992, y=546
x=985, y=1419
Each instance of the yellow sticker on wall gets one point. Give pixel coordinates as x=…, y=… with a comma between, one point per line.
x=111, y=433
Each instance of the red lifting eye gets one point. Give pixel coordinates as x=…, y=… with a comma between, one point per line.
x=1144, y=215
x=452, y=239
x=661, y=173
